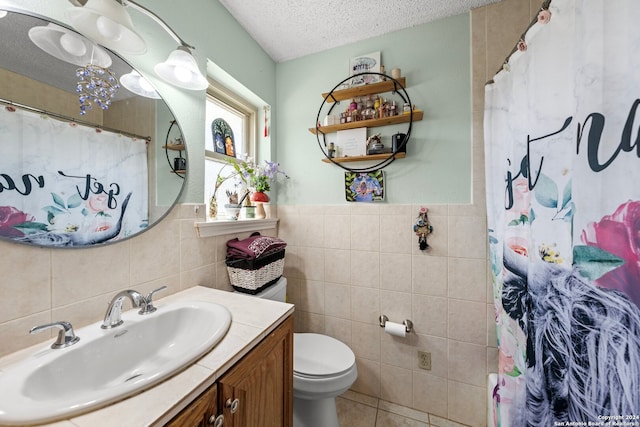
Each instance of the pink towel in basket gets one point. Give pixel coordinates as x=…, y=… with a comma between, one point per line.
x=253, y=246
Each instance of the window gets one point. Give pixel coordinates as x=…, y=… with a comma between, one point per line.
x=231, y=124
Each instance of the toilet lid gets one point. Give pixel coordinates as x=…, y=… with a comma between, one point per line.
x=320, y=355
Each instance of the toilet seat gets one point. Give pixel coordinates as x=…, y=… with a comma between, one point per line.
x=320, y=356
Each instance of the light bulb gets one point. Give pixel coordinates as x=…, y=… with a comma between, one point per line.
x=145, y=85
x=182, y=73
x=109, y=29
x=73, y=45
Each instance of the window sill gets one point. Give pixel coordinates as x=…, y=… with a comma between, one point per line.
x=222, y=227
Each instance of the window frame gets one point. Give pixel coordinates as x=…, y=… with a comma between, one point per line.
x=228, y=99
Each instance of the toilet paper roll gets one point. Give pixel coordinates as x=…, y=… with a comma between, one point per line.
x=395, y=329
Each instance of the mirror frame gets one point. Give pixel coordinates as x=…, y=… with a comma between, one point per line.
x=156, y=151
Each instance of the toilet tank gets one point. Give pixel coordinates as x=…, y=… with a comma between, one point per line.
x=275, y=292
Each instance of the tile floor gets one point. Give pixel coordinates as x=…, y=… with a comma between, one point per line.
x=359, y=410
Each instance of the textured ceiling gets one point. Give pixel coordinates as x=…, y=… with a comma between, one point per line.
x=289, y=29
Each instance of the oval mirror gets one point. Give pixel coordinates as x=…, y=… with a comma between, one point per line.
x=90, y=153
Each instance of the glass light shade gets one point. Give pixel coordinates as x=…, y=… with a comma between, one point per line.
x=137, y=84
x=3, y=13
x=73, y=45
x=69, y=46
x=181, y=70
x=108, y=23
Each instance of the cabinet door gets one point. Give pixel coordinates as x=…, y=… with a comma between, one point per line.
x=200, y=413
x=258, y=390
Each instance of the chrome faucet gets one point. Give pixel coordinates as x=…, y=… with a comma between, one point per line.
x=113, y=316
x=66, y=336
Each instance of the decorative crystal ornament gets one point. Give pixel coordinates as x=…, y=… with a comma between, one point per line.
x=97, y=84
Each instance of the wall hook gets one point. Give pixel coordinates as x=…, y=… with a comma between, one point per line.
x=422, y=228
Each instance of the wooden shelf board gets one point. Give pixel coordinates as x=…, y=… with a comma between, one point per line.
x=370, y=89
x=176, y=147
x=365, y=158
x=371, y=123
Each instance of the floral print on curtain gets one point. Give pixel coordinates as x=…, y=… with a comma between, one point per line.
x=562, y=149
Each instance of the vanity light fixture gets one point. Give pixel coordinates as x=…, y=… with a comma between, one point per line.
x=137, y=84
x=108, y=23
x=69, y=46
x=181, y=69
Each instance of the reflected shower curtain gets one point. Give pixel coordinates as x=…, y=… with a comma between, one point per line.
x=63, y=184
x=562, y=148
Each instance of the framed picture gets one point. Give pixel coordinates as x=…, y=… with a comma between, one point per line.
x=352, y=142
x=362, y=64
x=364, y=186
x=223, y=141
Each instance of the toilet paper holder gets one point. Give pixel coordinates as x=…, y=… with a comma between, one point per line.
x=408, y=324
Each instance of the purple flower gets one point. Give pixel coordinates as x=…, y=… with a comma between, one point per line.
x=265, y=174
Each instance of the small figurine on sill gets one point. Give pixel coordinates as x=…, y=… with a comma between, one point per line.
x=422, y=228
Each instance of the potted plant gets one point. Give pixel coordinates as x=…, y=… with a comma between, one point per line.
x=257, y=180
x=262, y=178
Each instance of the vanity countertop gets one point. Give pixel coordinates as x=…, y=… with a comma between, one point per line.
x=252, y=320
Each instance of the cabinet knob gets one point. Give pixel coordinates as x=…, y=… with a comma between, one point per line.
x=232, y=405
x=216, y=421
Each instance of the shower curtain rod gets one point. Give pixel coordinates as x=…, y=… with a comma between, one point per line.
x=71, y=119
x=544, y=6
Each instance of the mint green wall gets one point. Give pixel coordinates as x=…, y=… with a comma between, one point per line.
x=435, y=58
x=217, y=37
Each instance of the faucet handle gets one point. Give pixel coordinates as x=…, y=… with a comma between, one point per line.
x=66, y=336
x=148, y=307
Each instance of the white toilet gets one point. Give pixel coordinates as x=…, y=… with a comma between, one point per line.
x=323, y=368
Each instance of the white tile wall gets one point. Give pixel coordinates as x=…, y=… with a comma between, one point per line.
x=378, y=270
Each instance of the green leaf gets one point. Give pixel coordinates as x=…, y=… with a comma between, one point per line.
x=515, y=373
x=568, y=212
x=566, y=194
x=52, y=209
x=546, y=192
x=31, y=227
x=593, y=262
x=58, y=200
x=516, y=222
x=74, y=201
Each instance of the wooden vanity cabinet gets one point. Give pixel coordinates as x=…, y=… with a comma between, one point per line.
x=256, y=392
x=202, y=412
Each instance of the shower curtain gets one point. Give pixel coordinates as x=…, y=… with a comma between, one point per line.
x=63, y=184
x=562, y=148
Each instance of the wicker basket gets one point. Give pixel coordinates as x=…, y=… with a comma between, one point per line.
x=252, y=276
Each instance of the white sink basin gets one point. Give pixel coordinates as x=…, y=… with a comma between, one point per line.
x=107, y=365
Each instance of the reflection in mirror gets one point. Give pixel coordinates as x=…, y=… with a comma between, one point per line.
x=84, y=149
